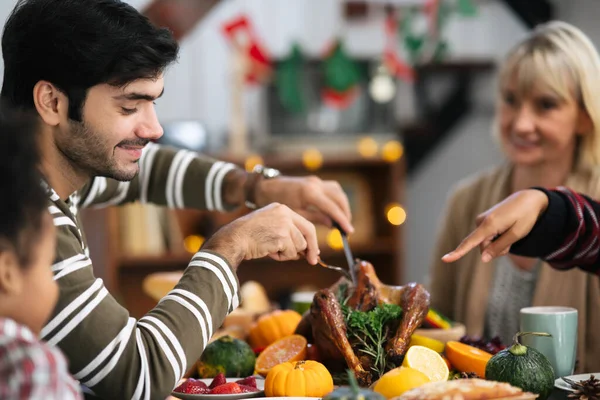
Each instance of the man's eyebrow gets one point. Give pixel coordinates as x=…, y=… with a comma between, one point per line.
x=138, y=96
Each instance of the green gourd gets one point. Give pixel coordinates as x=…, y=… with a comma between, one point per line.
x=523, y=367
x=229, y=356
x=353, y=392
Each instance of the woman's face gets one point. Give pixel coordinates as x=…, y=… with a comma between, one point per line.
x=538, y=127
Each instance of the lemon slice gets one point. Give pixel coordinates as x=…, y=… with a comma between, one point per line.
x=399, y=380
x=435, y=345
x=428, y=362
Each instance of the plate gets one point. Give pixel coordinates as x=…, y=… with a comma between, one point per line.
x=559, y=383
x=260, y=384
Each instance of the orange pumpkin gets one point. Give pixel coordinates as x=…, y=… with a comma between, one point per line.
x=298, y=379
x=273, y=326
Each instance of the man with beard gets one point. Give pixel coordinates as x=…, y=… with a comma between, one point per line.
x=92, y=70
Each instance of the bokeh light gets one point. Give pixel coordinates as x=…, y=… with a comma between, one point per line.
x=334, y=239
x=392, y=151
x=396, y=215
x=312, y=159
x=367, y=147
x=252, y=161
x=192, y=243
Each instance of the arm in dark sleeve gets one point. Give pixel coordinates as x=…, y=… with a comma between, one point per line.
x=566, y=234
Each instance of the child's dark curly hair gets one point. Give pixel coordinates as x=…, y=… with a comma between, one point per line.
x=23, y=200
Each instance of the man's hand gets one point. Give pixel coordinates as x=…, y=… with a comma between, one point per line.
x=502, y=225
x=274, y=230
x=317, y=200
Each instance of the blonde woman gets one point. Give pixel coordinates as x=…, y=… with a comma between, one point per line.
x=548, y=126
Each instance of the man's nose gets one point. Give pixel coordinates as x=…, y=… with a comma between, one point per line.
x=150, y=128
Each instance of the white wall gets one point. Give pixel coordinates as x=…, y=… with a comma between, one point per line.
x=198, y=86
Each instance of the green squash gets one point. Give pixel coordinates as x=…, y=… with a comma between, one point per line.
x=523, y=367
x=227, y=355
x=353, y=392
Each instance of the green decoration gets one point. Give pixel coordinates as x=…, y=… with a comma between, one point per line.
x=412, y=41
x=288, y=80
x=341, y=76
x=466, y=8
x=341, y=73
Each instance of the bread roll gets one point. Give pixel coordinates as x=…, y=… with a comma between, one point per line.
x=254, y=298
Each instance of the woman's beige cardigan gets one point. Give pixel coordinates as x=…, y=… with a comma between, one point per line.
x=460, y=290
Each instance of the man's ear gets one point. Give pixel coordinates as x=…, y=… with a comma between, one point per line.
x=10, y=273
x=584, y=123
x=51, y=104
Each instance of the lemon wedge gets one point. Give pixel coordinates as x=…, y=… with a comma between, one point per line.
x=428, y=362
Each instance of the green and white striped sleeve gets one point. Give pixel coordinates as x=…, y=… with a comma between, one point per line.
x=170, y=177
x=109, y=352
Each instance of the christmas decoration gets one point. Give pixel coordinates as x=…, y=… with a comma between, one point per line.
x=288, y=80
x=240, y=32
x=391, y=59
x=341, y=77
x=430, y=45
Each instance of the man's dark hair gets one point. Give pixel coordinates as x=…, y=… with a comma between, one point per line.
x=77, y=44
x=23, y=200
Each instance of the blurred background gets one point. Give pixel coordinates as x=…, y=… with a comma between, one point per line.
x=392, y=98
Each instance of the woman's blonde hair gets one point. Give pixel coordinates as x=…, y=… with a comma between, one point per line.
x=560, y=57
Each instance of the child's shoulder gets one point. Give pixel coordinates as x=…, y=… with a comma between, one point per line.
x=21, y=352
x=32, y=366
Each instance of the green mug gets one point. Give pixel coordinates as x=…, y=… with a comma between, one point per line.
x=561, y=323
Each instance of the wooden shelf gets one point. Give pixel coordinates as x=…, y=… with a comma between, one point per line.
x=378, y=247
x=294, y=161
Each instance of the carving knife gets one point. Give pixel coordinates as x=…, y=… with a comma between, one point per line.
x=347, y=252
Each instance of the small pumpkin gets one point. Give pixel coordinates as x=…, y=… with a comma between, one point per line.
x=353, y=392
x=273, y=326
x=523, y=367
x=298, y=379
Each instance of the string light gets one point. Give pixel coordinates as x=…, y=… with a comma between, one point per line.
x=312, y=159
x=367, y=147
x=252, y=161
x=192, y=243
x=392, y=151
x=396, y=215
x=334, y=240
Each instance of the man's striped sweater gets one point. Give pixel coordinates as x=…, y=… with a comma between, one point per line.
x=113, y=355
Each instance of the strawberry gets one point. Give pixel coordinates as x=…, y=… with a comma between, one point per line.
x=217, y=381
x=248, y=389
x=197, y=390
x=249, y=381
x=193, y=386
x=227, y=388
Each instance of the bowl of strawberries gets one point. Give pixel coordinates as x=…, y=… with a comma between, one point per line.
x=220, y=388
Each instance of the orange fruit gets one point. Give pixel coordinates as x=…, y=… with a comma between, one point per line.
x=467, y=358
x=289, y=348
x=447, y=361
